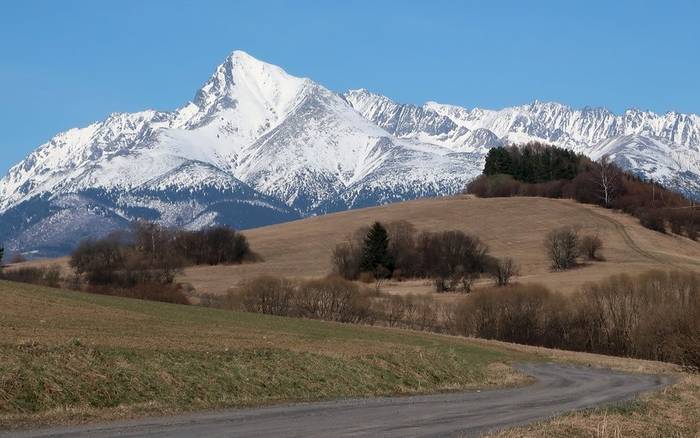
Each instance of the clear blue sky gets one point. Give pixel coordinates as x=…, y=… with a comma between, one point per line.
x=69, y=63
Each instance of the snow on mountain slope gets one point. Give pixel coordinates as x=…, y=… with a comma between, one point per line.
x=662, y=147
x=575, y=128
x=255, y=146
x=672, y=165
x=420, y=123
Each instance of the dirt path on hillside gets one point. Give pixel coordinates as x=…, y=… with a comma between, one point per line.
x=622, y=231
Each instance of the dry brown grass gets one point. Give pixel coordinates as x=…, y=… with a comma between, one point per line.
x=511, y=227
x=672, y=412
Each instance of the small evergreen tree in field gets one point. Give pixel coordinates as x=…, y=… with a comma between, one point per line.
x=2, y=253
x=375, y=251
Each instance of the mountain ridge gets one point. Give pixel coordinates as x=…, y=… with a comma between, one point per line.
x=257, y=146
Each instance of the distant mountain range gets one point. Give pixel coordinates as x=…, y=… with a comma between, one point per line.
x=258, y=146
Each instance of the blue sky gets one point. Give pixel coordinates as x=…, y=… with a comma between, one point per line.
x=69, y=63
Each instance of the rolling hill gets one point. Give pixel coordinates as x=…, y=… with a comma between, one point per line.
x=514, y=227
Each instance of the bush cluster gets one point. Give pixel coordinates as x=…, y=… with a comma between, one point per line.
x=150, y=253
x=331, y=299
x=336, y=299
x=564, y=246
x=44, y=276
x=143, y=262
x=213, y=246
x=453, y=259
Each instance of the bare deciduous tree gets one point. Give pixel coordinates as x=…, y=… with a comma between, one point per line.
x=562, y=245
x=608, y=179
x=502, y=270
x=590, y=246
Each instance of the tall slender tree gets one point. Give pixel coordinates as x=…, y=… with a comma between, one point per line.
x=375, y=251
x=608, y=178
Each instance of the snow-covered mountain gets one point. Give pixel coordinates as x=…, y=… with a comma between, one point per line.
x=255, y=146
x=258, y=146
x=662, y=147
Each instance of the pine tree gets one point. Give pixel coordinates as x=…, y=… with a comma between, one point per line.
x=2, y=253
x=375, y=252
x=498, y=160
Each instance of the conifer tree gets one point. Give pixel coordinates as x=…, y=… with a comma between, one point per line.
x=498, y=160
x=375, y=252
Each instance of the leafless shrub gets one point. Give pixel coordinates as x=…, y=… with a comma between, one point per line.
x=265, y=294
x=345, y=260
x=420, y=312
x=503, y=270
x=332, y=299
x=590, y=246
x=513, y=314
x=402, y=243
x=654, y=316
x=562, y=246
x=391, y=310
x=45, y=276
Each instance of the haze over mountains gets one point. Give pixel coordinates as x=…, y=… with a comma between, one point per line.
x=258, y=146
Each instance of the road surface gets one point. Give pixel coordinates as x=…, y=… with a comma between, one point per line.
x=559, y=388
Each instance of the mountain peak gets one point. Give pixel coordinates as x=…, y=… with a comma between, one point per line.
x=242, y=55
x=259, y=145
x=249, y=84
x=240, y=60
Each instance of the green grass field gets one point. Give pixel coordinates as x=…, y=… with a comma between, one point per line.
x=68, y=357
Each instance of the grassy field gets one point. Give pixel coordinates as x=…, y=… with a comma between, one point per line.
x=513, y=227
x=73, y=357
x=69, y=357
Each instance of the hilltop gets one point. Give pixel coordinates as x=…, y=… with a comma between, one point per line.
x=513, y=227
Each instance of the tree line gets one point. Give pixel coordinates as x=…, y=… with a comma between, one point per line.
x=655, y=315
x=141, y=262
x=150, y=254
x=536, y=169
x=535, y=163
